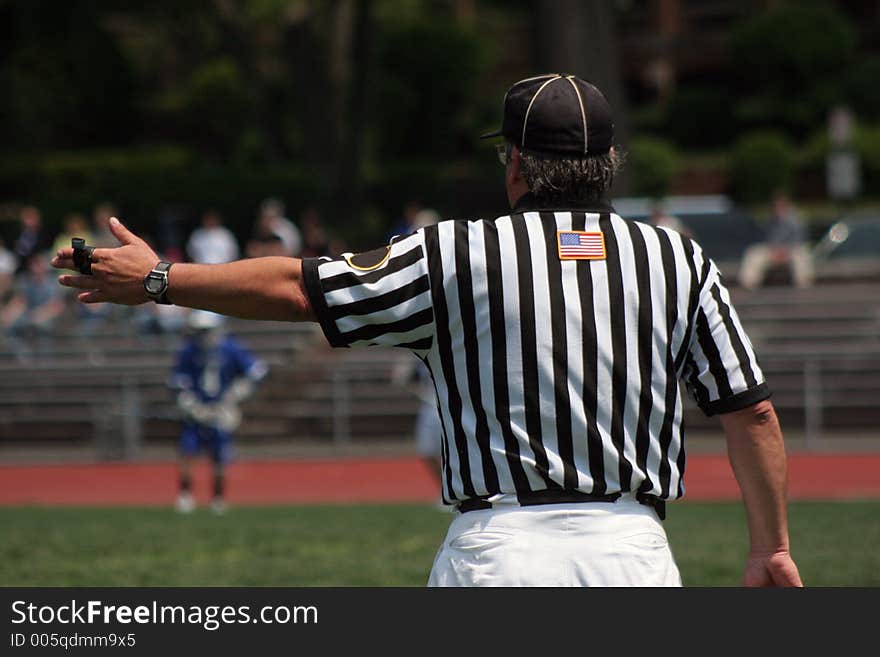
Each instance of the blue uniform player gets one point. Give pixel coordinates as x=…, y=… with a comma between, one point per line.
x=212, y=374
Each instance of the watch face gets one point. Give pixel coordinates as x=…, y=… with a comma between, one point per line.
x=154, y=284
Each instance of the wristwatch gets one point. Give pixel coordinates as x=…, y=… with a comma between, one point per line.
x=156, y=283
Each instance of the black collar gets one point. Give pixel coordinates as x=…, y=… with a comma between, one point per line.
x=528, y=203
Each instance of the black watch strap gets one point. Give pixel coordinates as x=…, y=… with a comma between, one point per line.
x=164, y=267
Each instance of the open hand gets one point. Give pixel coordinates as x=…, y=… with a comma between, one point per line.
x=117, y=273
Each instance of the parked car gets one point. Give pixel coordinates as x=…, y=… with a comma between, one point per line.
x=723, y=230
x=850, y=250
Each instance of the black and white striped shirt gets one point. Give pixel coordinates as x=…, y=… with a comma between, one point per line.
x=550, y=373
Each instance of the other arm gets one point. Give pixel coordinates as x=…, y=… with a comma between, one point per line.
x=757, y=455
x=268, y=288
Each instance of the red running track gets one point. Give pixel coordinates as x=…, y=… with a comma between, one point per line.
x=811, y=477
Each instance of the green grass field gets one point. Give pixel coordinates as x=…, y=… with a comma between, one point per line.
x=835, y=544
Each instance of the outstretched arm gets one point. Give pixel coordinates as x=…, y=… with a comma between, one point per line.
x=757, y=455
x=261, y=288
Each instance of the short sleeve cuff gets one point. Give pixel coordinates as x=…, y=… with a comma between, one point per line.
x=738, y=401
x=318, y=302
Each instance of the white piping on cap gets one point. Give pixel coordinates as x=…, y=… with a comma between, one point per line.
x=583, y=114
x=538, y=77
x=529, y=109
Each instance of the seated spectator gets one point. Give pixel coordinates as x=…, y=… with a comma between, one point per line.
x=8, y=265
x=425, y=217
x=212, y=243
x=272, y=218
x=786, y=245
x=170, y=233
x=265, y=241
x=406, y=224
x=659, y=217
x=316, y=243
x=32, y=237
x=36, y=300
x=101, y=223
x=75, y=225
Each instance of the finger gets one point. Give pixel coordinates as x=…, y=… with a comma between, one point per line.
x=123, y=234
x=78, y=282
x=100, y=254
x=63, y=263
x=63, y=259
x=95, y=296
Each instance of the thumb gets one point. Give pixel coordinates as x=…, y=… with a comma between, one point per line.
x=123, y=234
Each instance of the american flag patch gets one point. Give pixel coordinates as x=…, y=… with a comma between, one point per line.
x=578, y=245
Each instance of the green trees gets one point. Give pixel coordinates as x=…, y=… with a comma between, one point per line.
x=321, y=97
x=653, y=164
x=790, y=65
x=765, y=109
x=762, y=162
x=64, y=80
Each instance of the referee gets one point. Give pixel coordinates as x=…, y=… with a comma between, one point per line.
x=556, y=336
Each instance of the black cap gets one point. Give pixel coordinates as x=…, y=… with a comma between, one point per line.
x=556, y=114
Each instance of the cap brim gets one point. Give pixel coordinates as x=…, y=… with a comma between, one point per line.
x=490, y=135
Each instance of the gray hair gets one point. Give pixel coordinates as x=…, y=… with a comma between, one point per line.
x=570, y=180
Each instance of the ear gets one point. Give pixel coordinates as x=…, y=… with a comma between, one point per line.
x=512, y=173
x=515, y=183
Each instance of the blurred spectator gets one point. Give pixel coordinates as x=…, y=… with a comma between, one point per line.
x=212, y=243
x=316, y=243
x=272, y=217
x=406, y=224
x=36, y=301
x=264, y=241
x=8, y=265
x=423, y=218
x=75, y=225
x=659, y=217
x=169, y=232
x=101, y=222
x=32, y=237
x=786, y=245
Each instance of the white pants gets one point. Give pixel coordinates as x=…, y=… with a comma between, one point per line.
x=619, y=543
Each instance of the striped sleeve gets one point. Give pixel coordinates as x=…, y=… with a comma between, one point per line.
x=722, y=370
x=377, y=298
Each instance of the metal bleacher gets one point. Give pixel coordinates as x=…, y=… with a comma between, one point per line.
x=819, y=348
x=110, y=389
x=820, y=351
